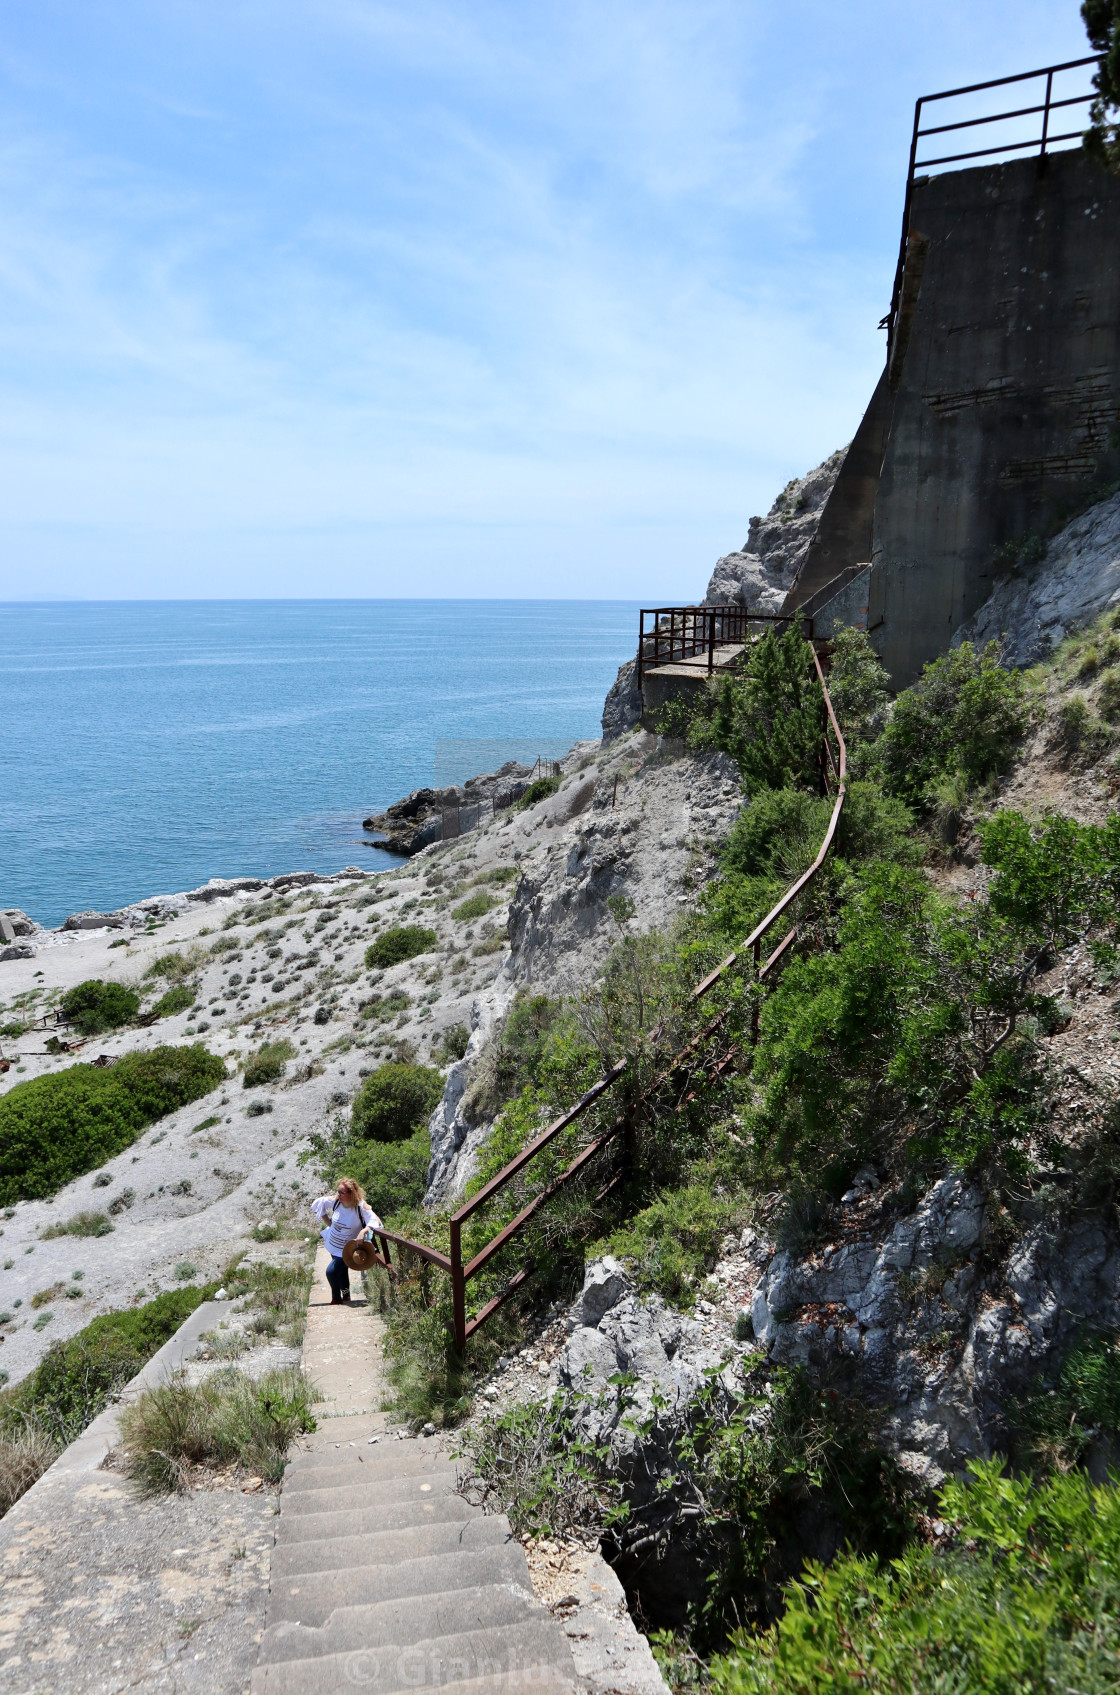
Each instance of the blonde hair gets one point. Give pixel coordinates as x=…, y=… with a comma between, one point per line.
x=351, y=1192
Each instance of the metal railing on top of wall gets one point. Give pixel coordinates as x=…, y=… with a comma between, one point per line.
x=1041, y=143
x=834, y=776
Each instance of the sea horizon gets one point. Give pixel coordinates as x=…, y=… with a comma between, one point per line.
x=151, y=745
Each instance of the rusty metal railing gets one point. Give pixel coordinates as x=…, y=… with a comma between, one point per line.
x=834, y=779
x=1042, y=143
x=682, y=634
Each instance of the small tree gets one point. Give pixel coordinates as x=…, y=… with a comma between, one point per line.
x=1102, y=24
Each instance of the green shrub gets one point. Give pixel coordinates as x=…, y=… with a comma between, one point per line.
x=1057, y=878
x=1057, y=1426
x=779, y=833
x=76, y=1379
x=94, y=1006
x=1108, y=698
x=536, y=792
x=512, y=1058
x=403, y=941
x=1026, y=1597
x=394, y=1101
x=394, y=1175
x=475, y=906
x=178, y=1425
x=788, y=1449
x=267, y=1064
x=964, y=713
x=674, y=721
x=672, y=1244
x=55, y=1128
x=452, y=1044
x=82, y=1224
x=177, y=999
x=176, y=966
x=769, y=715
x=885, y=1044
x=380, y=1007
x=858, y=686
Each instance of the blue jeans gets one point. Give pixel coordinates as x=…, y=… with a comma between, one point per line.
x=338, y=1276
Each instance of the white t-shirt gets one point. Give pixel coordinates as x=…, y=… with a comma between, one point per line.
x=343, y=1223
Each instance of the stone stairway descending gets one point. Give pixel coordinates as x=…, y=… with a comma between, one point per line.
x=383, y=1578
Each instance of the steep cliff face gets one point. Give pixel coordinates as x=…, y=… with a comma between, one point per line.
x=1034, y=608
x=761, y=573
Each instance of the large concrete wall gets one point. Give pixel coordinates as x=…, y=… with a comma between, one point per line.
x=1007, y=396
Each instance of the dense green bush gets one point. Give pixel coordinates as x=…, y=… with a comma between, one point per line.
x=538, y=791
x=671, y=1245
x=911, y=1034
x=965, y=713
x=768, y=715
x=394, y=1101
x=1026, y=1598
x=267, y=1064
x=177, y=999
x=76, y=1379
x=475, y=906
x=394, y=1175
x=55, y=1128
x=95, y=1006
x=403, y=941
x=1057, y=878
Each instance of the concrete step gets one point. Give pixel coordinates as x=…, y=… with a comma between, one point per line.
x=309, y=1597
x=370, y=1493
x=514, y=1655
x=368, y=1496
x=397, y=1459
x=403, y=1619
x=390, y=1515
x=388, y=1547
x=365, y=1477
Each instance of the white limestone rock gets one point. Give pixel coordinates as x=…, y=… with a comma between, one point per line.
x=1032, y=611
x=761, y=573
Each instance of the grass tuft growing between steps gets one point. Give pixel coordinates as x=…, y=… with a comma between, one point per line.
x=178, y=1426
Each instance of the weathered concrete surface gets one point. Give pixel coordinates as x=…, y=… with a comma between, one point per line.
x=844, y=534
x=1007, y=397
x=102, y=1590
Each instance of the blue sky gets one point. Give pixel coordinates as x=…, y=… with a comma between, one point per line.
x=347, y=298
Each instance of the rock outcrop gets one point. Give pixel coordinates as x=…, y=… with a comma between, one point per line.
x=646, y=830
x=416, y=821
x=622, y=709
x=760, y=575
x=1033, y=609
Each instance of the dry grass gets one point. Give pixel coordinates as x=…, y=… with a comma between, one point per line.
x=25, y=1455
x=179, y=1426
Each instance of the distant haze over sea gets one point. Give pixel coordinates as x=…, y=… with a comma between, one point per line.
x=148, y=746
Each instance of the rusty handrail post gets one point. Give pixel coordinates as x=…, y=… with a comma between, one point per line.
x=711, y=641
x=458, y=1289
x=755, y=1008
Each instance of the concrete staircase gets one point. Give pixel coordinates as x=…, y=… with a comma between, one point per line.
x=385, y=1580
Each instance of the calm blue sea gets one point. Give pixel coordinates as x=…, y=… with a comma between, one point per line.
x=145, y=747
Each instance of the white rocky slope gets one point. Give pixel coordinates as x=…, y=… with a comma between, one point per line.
x=1032, y=610
x=187, y=1191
